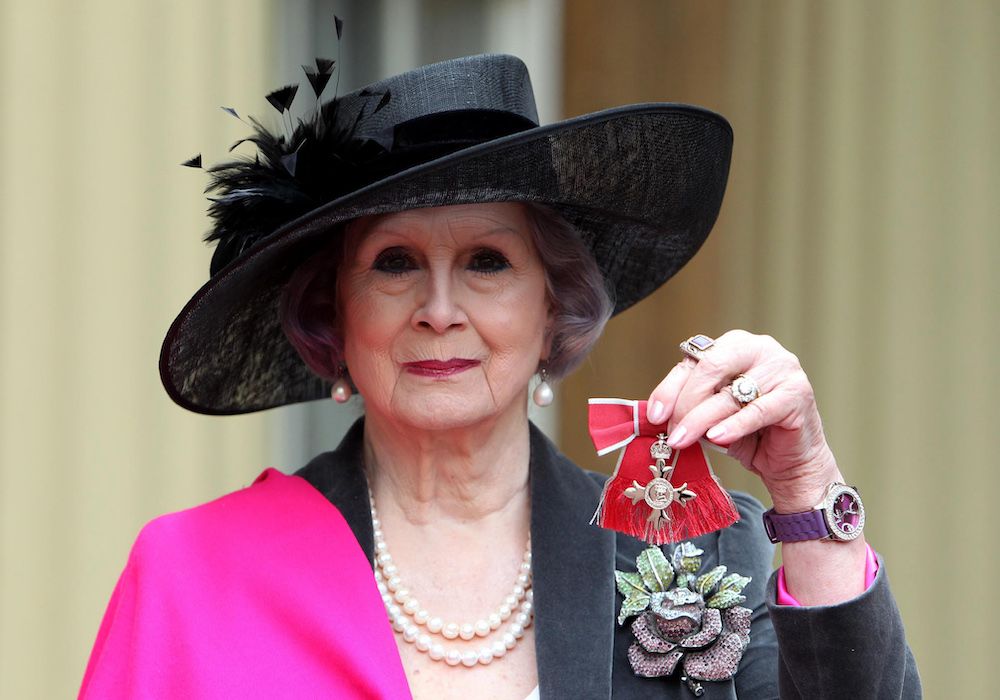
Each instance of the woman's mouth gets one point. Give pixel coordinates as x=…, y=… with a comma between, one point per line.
x=440, y=368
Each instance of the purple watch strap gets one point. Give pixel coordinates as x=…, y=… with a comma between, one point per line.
x=795, y=527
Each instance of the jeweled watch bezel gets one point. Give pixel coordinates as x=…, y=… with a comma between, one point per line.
x=819, y=523
x=834, y=492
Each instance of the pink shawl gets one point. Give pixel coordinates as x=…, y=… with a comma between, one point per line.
x=263, y=593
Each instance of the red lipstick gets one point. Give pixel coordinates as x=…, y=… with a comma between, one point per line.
x=440, y=368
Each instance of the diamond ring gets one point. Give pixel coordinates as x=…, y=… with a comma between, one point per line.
x=744, y=389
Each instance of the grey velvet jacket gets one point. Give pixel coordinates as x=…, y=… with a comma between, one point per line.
x=853, y=650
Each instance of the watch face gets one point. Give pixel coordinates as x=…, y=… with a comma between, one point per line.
x=845, y=513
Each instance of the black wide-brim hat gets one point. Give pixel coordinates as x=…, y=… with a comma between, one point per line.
x=642, y=184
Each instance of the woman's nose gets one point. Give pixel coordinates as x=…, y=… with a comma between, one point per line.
x=439, y=309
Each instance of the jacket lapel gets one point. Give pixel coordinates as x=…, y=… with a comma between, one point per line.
x=573, y=578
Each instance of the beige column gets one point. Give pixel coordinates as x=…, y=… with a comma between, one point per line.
x=99, y=248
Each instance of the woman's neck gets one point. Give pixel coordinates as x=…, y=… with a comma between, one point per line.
x=461, y=475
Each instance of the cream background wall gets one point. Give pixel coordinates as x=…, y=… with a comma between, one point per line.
x=99, y=248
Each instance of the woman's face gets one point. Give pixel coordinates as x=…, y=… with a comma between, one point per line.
x=444, y=313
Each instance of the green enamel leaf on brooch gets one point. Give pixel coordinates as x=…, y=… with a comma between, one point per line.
x=632, y=606
x=725, y=599
x=630, y=584
x=706, y=584
x=687, y=558
x=655, y=570
x=734, y=582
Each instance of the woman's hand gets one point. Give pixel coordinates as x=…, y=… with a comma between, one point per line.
x=778, y=436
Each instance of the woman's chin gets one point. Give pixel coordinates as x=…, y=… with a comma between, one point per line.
x=443, y=410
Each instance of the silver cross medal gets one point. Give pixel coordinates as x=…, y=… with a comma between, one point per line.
x=659, y=493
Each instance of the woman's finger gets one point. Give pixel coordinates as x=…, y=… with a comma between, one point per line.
x=699, y=419
x=660, y=405
x=769, y=409
x=733, y=353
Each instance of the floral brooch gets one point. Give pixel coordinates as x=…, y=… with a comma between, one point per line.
x=684, y=619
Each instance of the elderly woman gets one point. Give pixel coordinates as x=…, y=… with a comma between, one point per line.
x=425, y=244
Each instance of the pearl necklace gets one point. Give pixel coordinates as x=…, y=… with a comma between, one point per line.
x=408, y=616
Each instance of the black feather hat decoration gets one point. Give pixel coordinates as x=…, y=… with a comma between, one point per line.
x=281, y=99
x=292, y=173
x=321, y=76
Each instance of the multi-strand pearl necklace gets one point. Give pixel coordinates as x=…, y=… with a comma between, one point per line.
x=410, y=619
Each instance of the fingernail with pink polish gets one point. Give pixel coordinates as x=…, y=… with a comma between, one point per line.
x=715, y=433
x=677, y=436
x=656, y=412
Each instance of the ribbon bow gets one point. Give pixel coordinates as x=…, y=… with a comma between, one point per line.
x=656, y=493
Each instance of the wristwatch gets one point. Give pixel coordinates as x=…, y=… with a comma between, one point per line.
x=839, y=517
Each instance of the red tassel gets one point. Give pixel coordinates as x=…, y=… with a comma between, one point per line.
x=619, y=423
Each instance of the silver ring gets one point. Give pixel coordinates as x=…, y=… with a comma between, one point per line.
x=744, y=389
x=695, y=346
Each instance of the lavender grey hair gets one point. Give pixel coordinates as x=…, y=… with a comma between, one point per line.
x=581, y=301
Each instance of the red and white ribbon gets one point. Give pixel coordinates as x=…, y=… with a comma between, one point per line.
x=621, y=424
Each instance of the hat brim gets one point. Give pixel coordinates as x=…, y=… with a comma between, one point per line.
x=642, y=184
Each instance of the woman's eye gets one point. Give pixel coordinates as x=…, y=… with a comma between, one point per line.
x=395, y=261
x=488, y=262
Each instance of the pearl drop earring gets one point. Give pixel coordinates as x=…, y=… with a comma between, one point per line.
x=341, y=390
x=543, y=394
